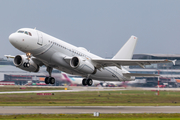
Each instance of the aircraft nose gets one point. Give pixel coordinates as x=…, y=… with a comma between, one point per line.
x=12, y=38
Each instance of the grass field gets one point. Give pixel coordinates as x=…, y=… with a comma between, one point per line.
x=91, y=98
x=95, y=98
x=144, y=116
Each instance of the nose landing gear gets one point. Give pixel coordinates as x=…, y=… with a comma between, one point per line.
x=27, y=64
x=49, y=80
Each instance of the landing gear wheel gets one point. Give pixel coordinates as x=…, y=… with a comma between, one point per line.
x=84, y=82
x=47, y=80
x=26, y=64
x=52, y=80
x=89, y=82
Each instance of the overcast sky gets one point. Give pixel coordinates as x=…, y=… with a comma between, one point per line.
x=101, y=26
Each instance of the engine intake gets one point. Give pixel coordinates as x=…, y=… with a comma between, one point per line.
x=82, y=65
x=74, y=62
x=18, y=60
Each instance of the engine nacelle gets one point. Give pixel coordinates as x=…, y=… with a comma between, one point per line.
x=19, y=61
x=82, y=65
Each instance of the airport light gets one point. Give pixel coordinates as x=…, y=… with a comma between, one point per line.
x=158, y=85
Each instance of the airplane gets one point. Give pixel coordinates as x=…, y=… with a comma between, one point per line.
x=43, y=49
x=75, y=80
x=113, y=84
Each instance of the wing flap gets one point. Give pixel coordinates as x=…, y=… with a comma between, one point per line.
x=123, y=62
x=139, y=75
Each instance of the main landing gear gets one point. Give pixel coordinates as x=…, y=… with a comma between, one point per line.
x=49, y=80
x=87, y=81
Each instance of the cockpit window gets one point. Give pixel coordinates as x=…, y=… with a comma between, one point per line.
x=30, y=34
x=20, y=31
x=26, y=32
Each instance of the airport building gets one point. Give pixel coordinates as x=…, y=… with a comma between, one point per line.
x=169, y=73
x=11, y=73
x=157, y=57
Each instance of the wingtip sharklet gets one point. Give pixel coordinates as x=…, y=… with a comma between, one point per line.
x=174, y=62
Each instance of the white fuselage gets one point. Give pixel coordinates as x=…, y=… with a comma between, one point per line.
x=52, y=51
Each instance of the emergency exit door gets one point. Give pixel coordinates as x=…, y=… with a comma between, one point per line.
x=40, y=38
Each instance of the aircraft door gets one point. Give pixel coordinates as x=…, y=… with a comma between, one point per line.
x=40, y=38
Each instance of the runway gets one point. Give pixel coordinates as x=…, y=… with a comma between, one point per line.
x=78, y=89
x=7, y=110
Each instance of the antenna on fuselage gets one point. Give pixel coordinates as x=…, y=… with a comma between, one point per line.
x=35, y=28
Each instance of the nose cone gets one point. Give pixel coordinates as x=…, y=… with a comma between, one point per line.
x=13, y=38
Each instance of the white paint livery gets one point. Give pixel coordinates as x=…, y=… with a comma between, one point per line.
x=43, y=49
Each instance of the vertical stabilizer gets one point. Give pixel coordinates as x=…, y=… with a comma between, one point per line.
x=126, y=52
x=65, y=77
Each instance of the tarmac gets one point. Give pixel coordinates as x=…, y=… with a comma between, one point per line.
x=8, y=110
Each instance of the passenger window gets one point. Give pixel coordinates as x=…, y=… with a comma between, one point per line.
x=30, y=34
x=26, y=32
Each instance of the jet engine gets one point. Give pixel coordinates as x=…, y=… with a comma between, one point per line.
x=82, y=65
x=22, y=62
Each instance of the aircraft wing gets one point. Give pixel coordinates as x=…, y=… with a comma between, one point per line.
x=100, y=63
x=140, y=75
x=9, y=56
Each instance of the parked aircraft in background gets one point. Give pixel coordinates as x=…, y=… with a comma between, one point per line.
x=113, y=84
x=43, y=49
x=76, y=80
